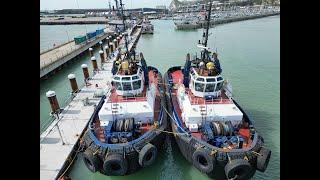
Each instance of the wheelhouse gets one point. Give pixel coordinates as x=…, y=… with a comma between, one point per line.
x=204, y=86
x=129, y=85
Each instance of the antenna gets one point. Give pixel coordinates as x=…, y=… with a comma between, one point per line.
x=109, y=6
x=206, y=32
x=208, y=24
x=117, y=5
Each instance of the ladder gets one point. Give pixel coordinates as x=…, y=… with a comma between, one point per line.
x=114, y=110
x=203, y=112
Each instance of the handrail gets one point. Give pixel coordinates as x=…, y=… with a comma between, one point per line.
x=211, y=101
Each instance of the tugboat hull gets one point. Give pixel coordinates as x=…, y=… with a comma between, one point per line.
x=123, y=158
x=211, y=160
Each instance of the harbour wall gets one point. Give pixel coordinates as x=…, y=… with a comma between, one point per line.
x=223, y=21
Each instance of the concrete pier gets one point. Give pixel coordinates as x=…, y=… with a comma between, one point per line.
x=60, y=141
x=54, y=58
x=69, y=20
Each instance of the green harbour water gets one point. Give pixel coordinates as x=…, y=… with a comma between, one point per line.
x=249, y=53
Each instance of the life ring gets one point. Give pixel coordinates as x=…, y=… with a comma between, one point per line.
x=263, y=159
x=92, y=162
x=115, y=165
x=147, y=155
x=237, y=169
x=203, y=161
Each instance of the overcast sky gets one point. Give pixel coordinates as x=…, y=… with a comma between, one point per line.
x=84, y=4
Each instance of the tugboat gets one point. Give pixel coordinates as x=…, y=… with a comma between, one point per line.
x=127, y=127
x=211, y=129
x=147, y=27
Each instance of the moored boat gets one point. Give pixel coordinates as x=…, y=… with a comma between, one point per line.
x=211, y=129
x=127, y=127
x=146, y=26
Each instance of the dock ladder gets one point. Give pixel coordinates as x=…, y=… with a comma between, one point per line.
x=203, y=112
x=114, y=110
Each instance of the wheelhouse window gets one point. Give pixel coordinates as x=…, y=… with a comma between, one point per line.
x=219, y=86
x=136, y=84
x=199, y=86
x=125, y=78
x=200, y=79
x=210, y=87
x=126, y=86
x=135, y=77
x=118, y=85
x=211, y=80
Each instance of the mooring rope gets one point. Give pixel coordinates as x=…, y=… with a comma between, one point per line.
x=165, y=109
x=69, y=163
x=77, y=151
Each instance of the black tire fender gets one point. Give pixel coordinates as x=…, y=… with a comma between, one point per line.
x=115, y=165
x=263, y=159
x=237, y=169
x=92, y=162
x=119, y=125
x=126, y=125
x=147, y=155
x=203, y=161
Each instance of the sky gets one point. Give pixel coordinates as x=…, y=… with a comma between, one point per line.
x=85, y=4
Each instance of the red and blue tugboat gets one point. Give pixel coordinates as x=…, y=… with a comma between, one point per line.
x=126, y=128
x=212, y=131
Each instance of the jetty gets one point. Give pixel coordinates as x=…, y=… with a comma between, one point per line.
x=59, y=143
x=221, y=21
x=72, y=20
x=54, y=58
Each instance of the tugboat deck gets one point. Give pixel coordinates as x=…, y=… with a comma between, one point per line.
x=177, y=78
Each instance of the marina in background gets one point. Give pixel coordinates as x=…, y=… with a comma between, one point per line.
x=57, y=127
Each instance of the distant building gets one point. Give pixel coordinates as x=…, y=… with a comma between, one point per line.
x=188, y=5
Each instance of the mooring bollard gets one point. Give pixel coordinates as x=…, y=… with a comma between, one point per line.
x=101, y=46
x=94, y=63
x=111, y=47
x=115, y=44
x=90, y=52
x=101, y=56
x=107, y=51
x=55, y=108
x=85, y=71
x=73, y=83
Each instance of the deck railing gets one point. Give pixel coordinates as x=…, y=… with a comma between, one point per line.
x=197, y=100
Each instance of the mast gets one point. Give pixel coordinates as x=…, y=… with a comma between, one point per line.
x=205, y=36
x=208, y=24
x=117, y=6
x=124, y=26
x=110, y=7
